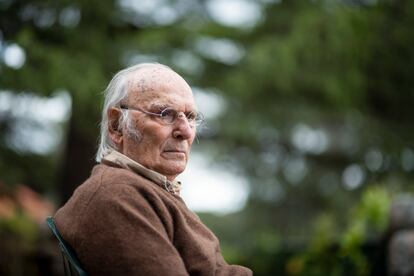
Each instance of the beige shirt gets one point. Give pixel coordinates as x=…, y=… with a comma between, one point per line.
x=116, y=158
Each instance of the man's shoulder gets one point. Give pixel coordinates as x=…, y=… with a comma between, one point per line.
x=109, y=187
x=112, y=183
x=108, y=183
x=115, y=178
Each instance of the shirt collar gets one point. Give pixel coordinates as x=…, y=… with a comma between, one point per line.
x=118, y=159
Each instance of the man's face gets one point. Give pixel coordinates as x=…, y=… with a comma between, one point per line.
x=162, y=147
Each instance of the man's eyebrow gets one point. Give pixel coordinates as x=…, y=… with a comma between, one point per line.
x=158, y=106
x=162, y=106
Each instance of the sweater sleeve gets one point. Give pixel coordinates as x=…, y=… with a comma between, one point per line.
x=127, y=235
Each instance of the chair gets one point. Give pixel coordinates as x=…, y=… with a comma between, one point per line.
x=71, y=263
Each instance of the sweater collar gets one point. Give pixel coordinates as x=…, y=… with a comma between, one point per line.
x=118, y=159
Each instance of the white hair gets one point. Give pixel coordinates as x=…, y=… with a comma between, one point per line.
x=117, y=91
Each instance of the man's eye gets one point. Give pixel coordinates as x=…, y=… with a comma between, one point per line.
x=168, y=113
x=191, y=116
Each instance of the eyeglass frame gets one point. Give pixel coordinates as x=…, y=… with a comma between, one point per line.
x=198, y=119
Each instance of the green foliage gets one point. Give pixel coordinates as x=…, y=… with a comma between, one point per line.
x=19, y=227
x=18, y=240
x=335, y=252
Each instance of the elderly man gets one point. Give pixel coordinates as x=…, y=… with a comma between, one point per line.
x=128, y=218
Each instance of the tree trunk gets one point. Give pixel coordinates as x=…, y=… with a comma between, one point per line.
x=79, y=158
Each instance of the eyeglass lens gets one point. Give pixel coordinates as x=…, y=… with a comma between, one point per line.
x=170, y=115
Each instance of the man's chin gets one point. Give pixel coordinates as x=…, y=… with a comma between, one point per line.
x=173, y=168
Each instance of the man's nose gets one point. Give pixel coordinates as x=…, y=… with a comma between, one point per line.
x=182, y=128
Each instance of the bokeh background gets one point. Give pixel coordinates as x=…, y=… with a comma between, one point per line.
x=309, y=135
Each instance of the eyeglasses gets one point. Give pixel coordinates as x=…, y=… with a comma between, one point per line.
x=169, y=115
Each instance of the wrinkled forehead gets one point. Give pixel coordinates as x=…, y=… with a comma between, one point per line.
x=158, y=84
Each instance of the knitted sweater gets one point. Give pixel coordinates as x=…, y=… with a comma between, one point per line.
x=120, y=223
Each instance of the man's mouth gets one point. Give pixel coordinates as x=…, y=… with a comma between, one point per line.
x=178, y=150
x=175, y=153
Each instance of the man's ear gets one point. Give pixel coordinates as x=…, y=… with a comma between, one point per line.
x=114, y=129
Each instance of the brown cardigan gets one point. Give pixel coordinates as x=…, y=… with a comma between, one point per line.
x=120, y=223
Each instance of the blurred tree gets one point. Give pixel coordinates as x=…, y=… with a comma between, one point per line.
x=314, y=110
x=68, y=46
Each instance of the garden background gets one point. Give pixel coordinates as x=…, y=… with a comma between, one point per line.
x=308, y=140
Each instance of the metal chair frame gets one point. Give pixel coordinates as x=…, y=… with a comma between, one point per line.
x=71, y=263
